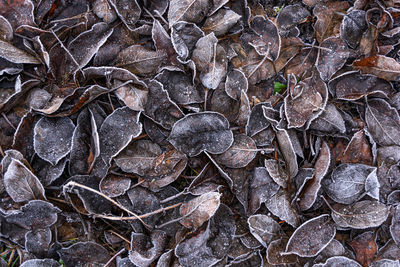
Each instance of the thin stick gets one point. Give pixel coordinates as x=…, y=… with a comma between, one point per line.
x=120, y=236
x=113, y=257
x=73, y=184
x=69, y=53
x=115, y=218
x=8, y=121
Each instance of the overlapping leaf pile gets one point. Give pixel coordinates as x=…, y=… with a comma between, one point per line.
x=200, y=133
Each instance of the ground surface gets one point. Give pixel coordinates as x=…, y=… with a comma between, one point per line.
x=199, y=133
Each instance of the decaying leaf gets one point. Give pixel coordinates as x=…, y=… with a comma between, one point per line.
x=82, y=253
x=117, y=131
x=353, y=85
x=264, y=228
x=200, y=209
x=37, y=214
x=384, y=67
x=361, y=215
x=332, y=57
x=346, y=184
x=53, y=138
x=242, y=151
x=215, y=135
x=339, y=261
x=312, y=236
x=383, y=122
x=21, y=184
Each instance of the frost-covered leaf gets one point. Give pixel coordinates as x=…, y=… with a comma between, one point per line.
x=85, y=144
x=40, y=263
x=306, y=101
x=21, y=184
x=328, y=18
x=221, y=22
x=128, y=11
x=114, y=186
x=383, y=67
x=353, y=85
x=159, y=106
x=140, y=60
x=312, y=236
x=117, y=131
x=203, y=131
x=358, y=150
x=16, y=55
x=395, y=225
x=146, y=249
x=365, y=247
x=329, y=121
x=38, y=242
x=346, y=184
x=353, y=26
x=199, y=209
x=264, y=228
x=82, y=253
x=276, y=255
x=361, y=215
x=332, y=57
x=37, y=214
x=242, y=152
x=184, y=37
x=53, y=138
x=289, y=154
x=91, y=40
x=261, y=188
x=280, y=205
x=383, y=122
x=257, y=120
x=103, y=10
x=310, y=192
x=235, y=83
x=338, y=261
x=139, y=157
x=290, y=16
x=385, y=263
x=132, y=96
x=187, y=10
x=180, y=87
x=208, y=246
x=266, y=41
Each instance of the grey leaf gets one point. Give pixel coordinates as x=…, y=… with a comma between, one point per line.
x=187, y=10
x=138, y=157
x=312, y=236
x=242, y=152
x=41, y=263
x=338, y=261
x=264, y=228
x=159, y=106
x=221, y=22
x=140, y=60
x=128, y=11
x=329, y=121
x=332, y=58
x=279, y=205
x=203, y=131
x=21, y=184
x=15, y=55
x=361, y=215
x=383, y=122
x=117, y=131
x=53, y=138
x=347, y=182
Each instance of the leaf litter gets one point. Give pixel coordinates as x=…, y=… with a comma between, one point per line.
x=199, y=133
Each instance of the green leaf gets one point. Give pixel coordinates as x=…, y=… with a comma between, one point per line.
x=279, y=87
